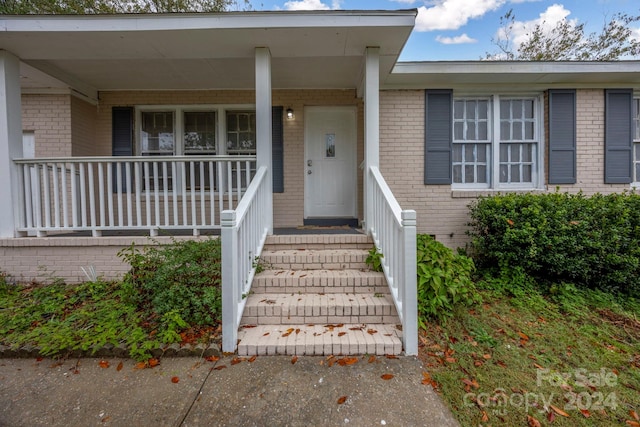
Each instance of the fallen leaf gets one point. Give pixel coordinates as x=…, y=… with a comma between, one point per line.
x=551, y=416
x=236, y=360
x=252, y=358
x=342, y=399
x=212, y=358
x=486, y=356
x=450, y=359
x=386, y=377
x=39, y=359
x=294, y=359
x=633, y=423
x=538, y=366
x=501, y=364
x=289, y=331
x=140, y=365
x=471, y=383
x=485, y=417
x=585, y=412
x=217, y=368
x=372, y=359
x=297, y=331
x=634, y=415
x=523, y=336
x=558, y=411
x=175, y=380
x=153, y=363
x=371, y=331
x=119, y=367
x=478, y=363
x=104, y=364
x=391, y=356
x=426, y=378
x=265, y=334
x=105, y=419
x=341, y=334
x=533, y=422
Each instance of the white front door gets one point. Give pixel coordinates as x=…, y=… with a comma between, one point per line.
x=330, y=162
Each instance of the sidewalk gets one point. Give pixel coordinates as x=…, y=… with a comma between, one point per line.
x=271, y=391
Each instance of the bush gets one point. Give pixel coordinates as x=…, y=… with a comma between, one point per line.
x=180, y=282
x=559, y=237
x=444, y=279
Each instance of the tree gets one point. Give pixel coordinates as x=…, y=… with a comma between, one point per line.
x=79, y=7
x=567, y=41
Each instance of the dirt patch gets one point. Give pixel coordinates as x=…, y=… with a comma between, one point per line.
x=629, y=324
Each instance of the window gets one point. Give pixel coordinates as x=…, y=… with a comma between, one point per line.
x=496, y=142
x=636, y=139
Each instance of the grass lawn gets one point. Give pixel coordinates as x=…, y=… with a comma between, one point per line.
x=566, y=359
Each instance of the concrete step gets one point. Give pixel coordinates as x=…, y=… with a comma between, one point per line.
x=314, y=259
x=319, y=281
x=300, y=309
x=326, y=339
x=319, y=241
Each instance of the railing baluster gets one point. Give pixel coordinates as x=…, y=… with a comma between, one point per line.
x=47, y=195
x=229, y=186
x=203, y=206
x=74, y=195
x=65, y=200
x=165, y=189
x=147, y=193
x=174, y=187
x=212, y=192
x=26, y=173
x=183, y=193
x=192, y=190
x=156, y=193
x=92, y=195
x=83, y=195
x=56, y=196
x=137, y=182
x=110, y=192
x=101, y=192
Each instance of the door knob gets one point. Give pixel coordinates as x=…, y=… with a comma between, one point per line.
x=309, y=172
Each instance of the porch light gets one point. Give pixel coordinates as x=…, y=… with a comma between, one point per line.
x=289, y=114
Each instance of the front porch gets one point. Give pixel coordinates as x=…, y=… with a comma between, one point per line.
x=166, y=188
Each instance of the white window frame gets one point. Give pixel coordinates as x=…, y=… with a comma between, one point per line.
x=537, y=173
x=179, y=110
x=636, y=140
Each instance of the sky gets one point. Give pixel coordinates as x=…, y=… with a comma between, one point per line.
x=464, y=29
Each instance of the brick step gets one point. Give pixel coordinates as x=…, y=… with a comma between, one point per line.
x=319, y=241
x=300, y=309
x=315, y=259
x=326, y=339
x=319, y=281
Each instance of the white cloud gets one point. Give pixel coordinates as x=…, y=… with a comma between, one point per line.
x=547, y=20
x=461, y=39
x=453, y=14
x=311, y=5
x=635, y=33
x=305, y=5
x=405, y=1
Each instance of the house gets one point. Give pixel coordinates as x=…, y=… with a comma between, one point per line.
x=242, y=123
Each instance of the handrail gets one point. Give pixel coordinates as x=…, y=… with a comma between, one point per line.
x=244, y=231
x=394, y=234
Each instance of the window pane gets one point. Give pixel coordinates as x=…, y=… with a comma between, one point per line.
x=482, y=174
x=517, y=131
x=469, y=150
x=157, y=133
x=483, y=110
x=637, y=150
x=458, y=131
x=528, y=131
x=527, y=152
x=471, y=110
x=468, y=174
x=515, y=152
x=482, y=153
x=515, y=173
x=457, y=174
x=241, y=131
x=457, y=152
x=528, y=109
x=637, y=172
x=458, y=110
x=505, y=131
x=526, y=173
x=471, y=132
x=505, y=111
x=516, y=109
x=483, y=131
x=504, y=152
x=200, y=132
x=504, y=173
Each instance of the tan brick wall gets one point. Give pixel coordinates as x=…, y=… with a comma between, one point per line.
x=83, y=127
x=49, y=117
x=288, y=206
x=46, y=259
x=443, y=212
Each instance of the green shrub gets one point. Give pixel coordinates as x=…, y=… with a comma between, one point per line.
x=180, y=282
x=444, y=279
x=374, y=259
x=561, y=238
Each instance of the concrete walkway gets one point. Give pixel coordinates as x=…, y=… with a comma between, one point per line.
x=270, y=391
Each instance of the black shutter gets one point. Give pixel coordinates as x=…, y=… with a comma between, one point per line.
x=618, y=142
x=438, y=136
x=277, y=149
x=121, y=137
x=562, y=136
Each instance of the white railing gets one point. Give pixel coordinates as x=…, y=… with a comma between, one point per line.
x=394, y=233
x=244, y=231
x=130, y=193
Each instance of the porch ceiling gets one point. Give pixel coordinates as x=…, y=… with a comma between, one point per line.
x=201, y=51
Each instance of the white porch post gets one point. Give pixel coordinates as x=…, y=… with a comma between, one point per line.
x=371, y=125
x=410, y=274
x=10, y=143
x=263, y=124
